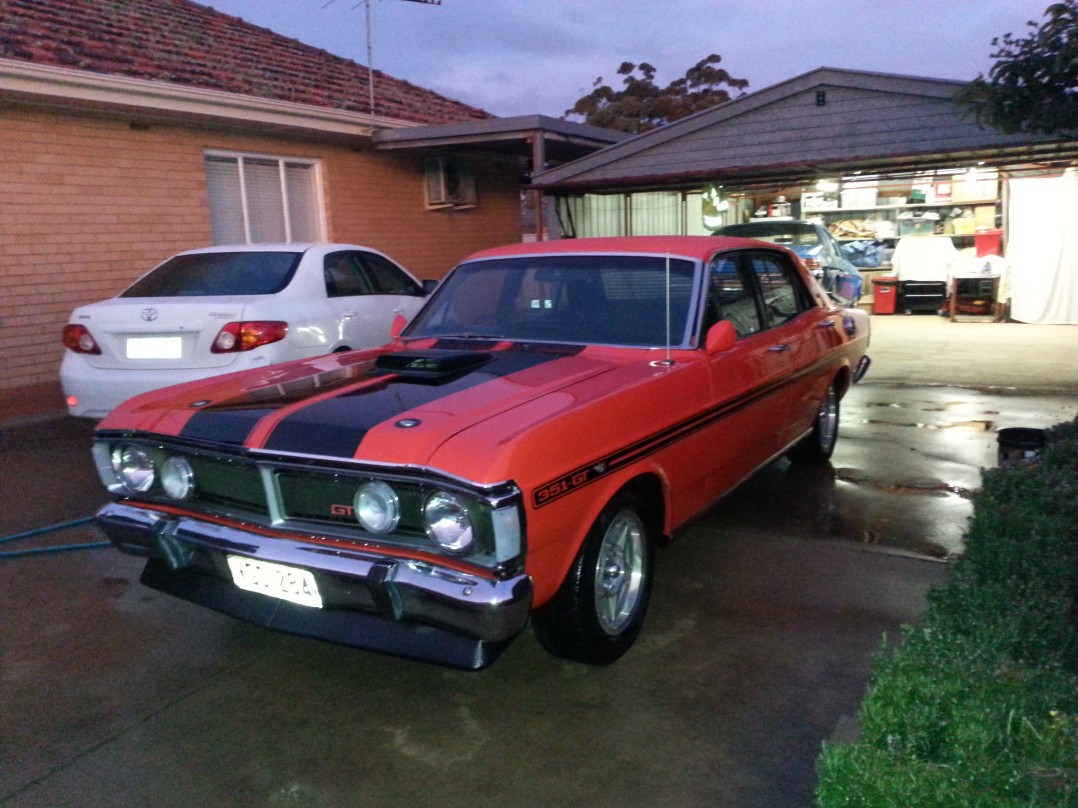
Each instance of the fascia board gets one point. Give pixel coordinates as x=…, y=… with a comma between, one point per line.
x=65, y=84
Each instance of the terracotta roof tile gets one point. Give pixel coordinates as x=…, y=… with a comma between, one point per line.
x=182, y=42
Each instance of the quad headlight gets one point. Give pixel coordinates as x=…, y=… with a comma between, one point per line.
x=177, y=478
x=377, y=507
x=131, y=469
x=134, y=468
x=448, y=523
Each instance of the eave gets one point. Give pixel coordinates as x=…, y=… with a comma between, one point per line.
x=157, y=100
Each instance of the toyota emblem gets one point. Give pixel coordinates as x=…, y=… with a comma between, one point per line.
x=149, y=315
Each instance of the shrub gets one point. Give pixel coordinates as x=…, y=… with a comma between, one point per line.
x=978, y=706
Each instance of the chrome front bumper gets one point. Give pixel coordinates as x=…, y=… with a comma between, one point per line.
x=380, y=603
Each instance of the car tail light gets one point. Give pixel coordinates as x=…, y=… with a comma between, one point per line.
x=236, y=337
x=79, y=339
x=811, y=264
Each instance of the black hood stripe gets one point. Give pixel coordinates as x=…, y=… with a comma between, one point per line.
x=233, y=419
x=335, y=426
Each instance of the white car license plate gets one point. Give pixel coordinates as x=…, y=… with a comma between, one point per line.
x=275, y=580
x=154, y=348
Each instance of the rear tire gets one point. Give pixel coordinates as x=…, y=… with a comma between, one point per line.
x=819, y=444
x=598, y=611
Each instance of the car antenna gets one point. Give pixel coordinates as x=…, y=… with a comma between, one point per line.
x=667, y=362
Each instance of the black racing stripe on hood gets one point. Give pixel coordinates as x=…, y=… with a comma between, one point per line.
x=225, y=426
x=231, y=420
x=335, y=427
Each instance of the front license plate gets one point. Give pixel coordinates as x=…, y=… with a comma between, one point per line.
x=275, y=580
x=154, y=348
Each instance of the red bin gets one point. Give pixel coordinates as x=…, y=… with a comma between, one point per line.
x=988, y=242
x=884, y=294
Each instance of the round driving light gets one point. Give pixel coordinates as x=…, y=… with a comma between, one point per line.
x=448, y=524
x=376, y=506
x=177, y=478
x=134, y=467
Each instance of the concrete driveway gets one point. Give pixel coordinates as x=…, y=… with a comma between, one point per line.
x=757, y=648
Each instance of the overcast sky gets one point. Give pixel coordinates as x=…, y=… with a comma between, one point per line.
x=521, y=57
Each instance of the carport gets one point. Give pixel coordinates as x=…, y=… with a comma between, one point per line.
x=875, y=157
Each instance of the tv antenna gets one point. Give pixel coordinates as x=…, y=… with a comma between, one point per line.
x=370, y=48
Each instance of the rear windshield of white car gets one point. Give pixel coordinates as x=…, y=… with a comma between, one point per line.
x=628, y=300
x=204, y=274
x=800, y=234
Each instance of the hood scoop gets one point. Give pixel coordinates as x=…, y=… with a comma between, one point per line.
x=431, y=364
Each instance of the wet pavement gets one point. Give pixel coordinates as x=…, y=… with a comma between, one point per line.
x=757, y=647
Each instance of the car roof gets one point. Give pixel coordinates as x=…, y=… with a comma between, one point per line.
x=292, y=247
x=696, y=247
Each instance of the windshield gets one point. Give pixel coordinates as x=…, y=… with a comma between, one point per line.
x=218, y=273
x=592, y=299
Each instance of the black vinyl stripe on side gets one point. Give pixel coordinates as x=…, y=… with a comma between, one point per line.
x=601, y=467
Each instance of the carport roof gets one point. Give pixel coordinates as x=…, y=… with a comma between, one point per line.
x=545, y=141
x=825, y=122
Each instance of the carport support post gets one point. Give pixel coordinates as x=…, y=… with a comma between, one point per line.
x=538, y=164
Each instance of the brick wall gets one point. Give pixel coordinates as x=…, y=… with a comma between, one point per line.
x=88, y=204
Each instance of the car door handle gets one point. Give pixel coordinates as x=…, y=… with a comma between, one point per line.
x=782, y=346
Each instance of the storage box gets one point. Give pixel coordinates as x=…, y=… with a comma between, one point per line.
x=859, y=197
x=985, y=216
x=975, y=191
x=964, y=226
x=819, y=201
x=917, y=227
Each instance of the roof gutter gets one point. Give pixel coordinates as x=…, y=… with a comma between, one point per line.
x=159, y=98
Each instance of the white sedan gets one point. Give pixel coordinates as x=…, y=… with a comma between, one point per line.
x=216, y=310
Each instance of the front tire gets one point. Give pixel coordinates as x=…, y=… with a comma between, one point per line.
x=598, y=611
x=819, y=444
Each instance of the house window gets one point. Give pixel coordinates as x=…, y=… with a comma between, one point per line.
x=450, y=183
x=255, y=198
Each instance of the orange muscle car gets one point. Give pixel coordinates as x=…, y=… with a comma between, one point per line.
x=515, y=453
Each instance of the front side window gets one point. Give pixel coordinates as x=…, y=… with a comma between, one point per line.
x=781, y=290
x=731, y=297
x=257, y=199
x=362, y=273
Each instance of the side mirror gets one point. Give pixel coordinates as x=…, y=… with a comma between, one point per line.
x=429, y=285
x=720, y=337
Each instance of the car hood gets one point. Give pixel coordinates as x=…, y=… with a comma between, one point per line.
x=385, y=406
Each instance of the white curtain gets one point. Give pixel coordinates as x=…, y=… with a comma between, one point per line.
x=1042, y=249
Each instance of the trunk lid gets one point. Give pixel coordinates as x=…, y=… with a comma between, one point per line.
x=159, y=333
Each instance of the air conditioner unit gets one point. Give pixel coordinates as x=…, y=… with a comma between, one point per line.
x=450, y=183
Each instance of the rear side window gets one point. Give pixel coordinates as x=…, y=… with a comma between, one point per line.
x=205, y=274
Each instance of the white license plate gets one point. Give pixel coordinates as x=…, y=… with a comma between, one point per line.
x=275, y=580
x=154, y=348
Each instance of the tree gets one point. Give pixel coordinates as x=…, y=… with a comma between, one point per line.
x=1033, y=86
x=642, y=105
